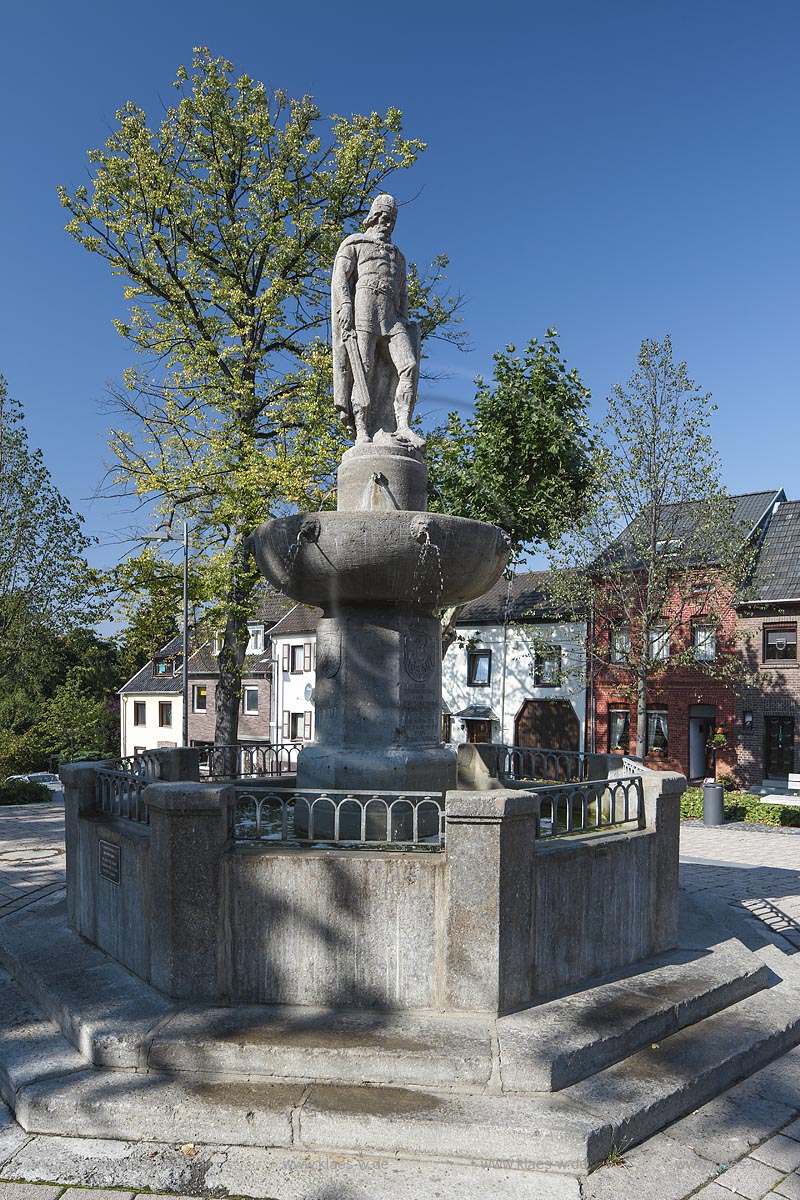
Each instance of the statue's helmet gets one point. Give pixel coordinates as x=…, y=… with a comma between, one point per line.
x=382, y=203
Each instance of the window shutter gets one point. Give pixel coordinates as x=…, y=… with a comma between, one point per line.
x=286, y=656
x=286, y=724
x=307, y=656
x=307, y=723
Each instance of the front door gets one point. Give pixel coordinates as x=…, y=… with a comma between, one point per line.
x=778, y=746
x=479, y=731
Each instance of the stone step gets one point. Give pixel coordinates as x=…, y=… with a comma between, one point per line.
x=552, y=1045
x=673, y=1077
x=114, y=1019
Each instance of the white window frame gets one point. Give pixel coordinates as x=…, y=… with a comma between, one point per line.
x=255, y=644
x=658, y=643
x=619, y=643
x=196, y=689
x=704, y=641
x=247, y=694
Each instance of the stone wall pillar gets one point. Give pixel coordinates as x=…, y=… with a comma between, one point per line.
x=177, y=764
x=662, y=814
x=489, y=912
x=79, y=802
x=188, y=834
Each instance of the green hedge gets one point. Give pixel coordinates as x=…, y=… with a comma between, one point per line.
x=20, y=791
x=742, y=806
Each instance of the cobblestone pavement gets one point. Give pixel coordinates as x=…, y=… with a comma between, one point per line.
x=31, y=854
x=744, y=1145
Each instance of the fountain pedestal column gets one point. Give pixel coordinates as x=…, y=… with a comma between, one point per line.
x=379, y=568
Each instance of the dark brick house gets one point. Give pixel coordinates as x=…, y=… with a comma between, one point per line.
x=768, y=704
x=687, y=700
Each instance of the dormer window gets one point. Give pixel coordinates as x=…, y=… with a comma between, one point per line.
x=255, y=644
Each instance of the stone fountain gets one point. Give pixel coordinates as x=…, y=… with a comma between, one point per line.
x=380, y=565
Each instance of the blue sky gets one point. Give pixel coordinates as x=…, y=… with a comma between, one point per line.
x=621, y=170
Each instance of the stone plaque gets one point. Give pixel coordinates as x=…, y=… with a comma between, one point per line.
x=421, y=721
x=110, y=861
x=419, y=655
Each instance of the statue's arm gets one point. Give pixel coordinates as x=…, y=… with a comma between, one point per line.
x=344, y=269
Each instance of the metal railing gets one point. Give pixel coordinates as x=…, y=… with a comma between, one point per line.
x=528, y=762
x=589, y=807
x=249, y=758
x=338, y=816
x=119, y=794
x=145, y=764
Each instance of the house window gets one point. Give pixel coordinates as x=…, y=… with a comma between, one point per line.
x=780, y=642
x=620, y=643
x=255, y=643
x=165, y=713
x=297, y=658
x=747, y=720
x=250, y=701
x=297, y=726
x=619, y=730
x=161, y=666
x=447, y=727
x=139, y=712
x=657, y=739
x=479, y=668
x=658, y=643
x=199, y=698
x=704, y=640
x=547, y=667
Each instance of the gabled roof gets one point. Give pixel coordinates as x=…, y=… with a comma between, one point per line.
x=777, y=574
x=300, y=619
x=523, y=597
x=748, y=511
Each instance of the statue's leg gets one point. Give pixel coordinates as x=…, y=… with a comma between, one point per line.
x=405, y=363
x=366, y=350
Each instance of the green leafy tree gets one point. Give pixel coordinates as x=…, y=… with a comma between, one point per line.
x=661, y=546
x=524, y=460
x=224, y=222
x=46, y=587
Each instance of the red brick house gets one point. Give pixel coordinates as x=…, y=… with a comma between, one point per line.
x=768, y=704
x=691, y=695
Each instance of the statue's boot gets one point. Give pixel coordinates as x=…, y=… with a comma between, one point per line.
x=403, y=405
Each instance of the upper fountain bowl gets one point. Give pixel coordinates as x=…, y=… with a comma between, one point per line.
x=416, y=558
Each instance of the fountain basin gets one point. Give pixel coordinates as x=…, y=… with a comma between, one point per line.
x=403, y=557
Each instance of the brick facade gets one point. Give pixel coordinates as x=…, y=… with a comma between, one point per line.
x=696, y=700
x=770, y=690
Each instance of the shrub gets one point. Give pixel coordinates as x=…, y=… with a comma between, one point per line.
x=741, y=806
x=20, y=791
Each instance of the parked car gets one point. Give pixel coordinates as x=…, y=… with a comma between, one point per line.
x=47, y=778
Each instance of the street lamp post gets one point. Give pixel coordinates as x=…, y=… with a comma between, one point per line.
x=164, y=534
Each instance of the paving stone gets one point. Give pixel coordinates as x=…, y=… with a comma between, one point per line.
x=257, y=1172
x=109, y=1163
x=780, y=1152
x=729, y=1127
x=712, y=1191
x=29, y=1191
x=793, y=1130
x=11, y=1135
x=161, y=1196
x=789, y=1187
x=660, y=1168
x=77, y=1193
x=750, y=1179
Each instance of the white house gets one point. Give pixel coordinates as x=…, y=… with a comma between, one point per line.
x=516, y=672
x=294, y=642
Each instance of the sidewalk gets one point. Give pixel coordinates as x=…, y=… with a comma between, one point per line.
x=744, y=1144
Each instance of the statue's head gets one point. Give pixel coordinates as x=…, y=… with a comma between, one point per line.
x=382, y=212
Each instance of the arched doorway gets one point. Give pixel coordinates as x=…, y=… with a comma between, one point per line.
x=549, y=724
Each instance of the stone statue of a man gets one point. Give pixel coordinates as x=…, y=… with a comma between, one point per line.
x=375, y=349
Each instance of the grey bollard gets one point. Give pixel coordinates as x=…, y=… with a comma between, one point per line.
x=713, y=810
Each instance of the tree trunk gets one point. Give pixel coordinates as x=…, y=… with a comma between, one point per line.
x=230, y=659
x=449, y=632
x=641, y=712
